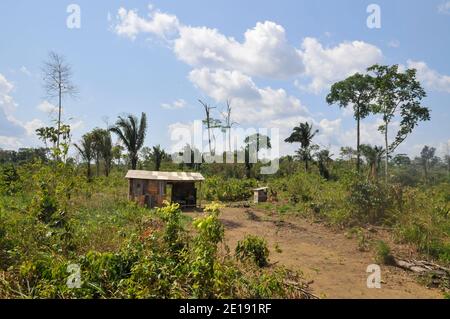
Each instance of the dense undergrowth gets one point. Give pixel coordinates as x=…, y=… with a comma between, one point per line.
x=54, y=226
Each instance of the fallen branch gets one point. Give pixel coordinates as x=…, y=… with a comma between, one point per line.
x=304, y=291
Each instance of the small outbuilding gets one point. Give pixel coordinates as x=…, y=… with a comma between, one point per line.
x=260, y=194
x=152, y=188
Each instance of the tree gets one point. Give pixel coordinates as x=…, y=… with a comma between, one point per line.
x=158, y=155
x=373, y=156
x=52, y=135
x=131, y=131
x=347, y=153
x=397, y=93
x=57, y=75
x=86, y=150
x=401, y=160
x=105, y=147
x=210, y=123
x=228, y=123
x=303, y=134
x=427, y=157
x=323, y=159
x=253, y=144
x=357, y=91
x=117, y=151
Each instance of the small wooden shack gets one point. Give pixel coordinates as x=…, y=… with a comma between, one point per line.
x=260, y=195
x=152, y=188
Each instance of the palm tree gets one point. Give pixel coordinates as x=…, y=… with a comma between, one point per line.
x=303, y=134
x=131, y=132
x=105, y=147
x=157, y=155
x=86, y=149
x=373, y=156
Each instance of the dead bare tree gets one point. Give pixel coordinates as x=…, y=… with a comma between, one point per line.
x=57, y=76
x=208, y=121
x=228, y=122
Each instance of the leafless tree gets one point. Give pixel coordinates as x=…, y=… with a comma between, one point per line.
x=228, y=122
x=57, y=76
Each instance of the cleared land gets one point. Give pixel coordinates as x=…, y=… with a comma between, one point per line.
x=329, y=259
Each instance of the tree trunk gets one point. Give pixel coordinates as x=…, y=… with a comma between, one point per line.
x=89, y=170
x=59, y=112
x=134, y=161
x=386, y=159
x=358, y=154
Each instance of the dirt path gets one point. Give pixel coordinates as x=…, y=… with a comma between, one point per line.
x=329, y=259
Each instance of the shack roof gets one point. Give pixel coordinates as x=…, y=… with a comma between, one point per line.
x=260, y=189
x=165, y=176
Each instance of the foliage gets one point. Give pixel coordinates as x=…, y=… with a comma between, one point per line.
x=216, y=188
x=253, y=248
x=383, y=253
x=131, y=133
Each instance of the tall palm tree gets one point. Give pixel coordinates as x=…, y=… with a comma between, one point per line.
x=157, y=155
x=131, y=132
x=303, y=134
x=86, y=149
x=373, y=156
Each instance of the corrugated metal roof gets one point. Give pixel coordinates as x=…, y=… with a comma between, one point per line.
x=165, y=176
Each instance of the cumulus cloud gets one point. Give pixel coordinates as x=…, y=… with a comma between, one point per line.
x=17, y=128
x=327, y=65
x=251, y=103
x=175, y=105
x=130, y=24
x=10, y=142
x=429, y=77
x=47, y=107
x=265, y=50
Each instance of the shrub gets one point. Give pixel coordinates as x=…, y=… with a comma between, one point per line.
x=383, y=254
x=253, y=248
x=369, y=201
x=218, y=189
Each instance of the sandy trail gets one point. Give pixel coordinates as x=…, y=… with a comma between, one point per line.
x=329, y=259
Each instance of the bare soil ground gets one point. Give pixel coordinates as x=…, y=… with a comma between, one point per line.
x=329, y=259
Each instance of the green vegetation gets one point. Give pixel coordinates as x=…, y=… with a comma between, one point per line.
x=253, y=248
x=55, y=213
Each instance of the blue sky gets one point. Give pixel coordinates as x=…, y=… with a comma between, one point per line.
x=275, y=60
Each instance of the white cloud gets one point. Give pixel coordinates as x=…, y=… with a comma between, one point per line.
x=25, y=71
x=160, y=24
x=175, y=105
x=251, y=104
x=10, y=142
x=430, y=78
x=264, y=51
x=47, y=107
x=394, y=44
x=31, y=126
x=444, y=8
x=6, y=101
x=327, y=65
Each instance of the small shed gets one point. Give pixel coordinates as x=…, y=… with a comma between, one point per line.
x=260, y=194
x=152, y=188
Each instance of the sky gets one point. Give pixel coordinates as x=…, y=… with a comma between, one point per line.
x=274, y=60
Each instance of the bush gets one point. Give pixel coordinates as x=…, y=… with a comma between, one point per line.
x=369, y=201
x=218, y=189
x=253, y=248
x=383, y=254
